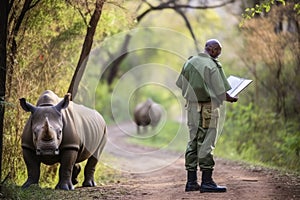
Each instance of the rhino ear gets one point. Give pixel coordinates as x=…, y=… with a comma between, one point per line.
x=28, y=107
x=63, y=104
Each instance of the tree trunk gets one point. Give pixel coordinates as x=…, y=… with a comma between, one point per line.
x=12, y=44
x=3, y=39
x=86, y=48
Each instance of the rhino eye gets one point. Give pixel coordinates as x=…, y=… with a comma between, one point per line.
x=59, y=132
x=35, y=134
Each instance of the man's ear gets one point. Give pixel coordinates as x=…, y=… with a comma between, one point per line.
x=28, y=107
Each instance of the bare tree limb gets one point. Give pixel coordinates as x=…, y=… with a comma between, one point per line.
x=79, y=10
x=116, y=63
x=171, y=5
x=86, y=48
x=188, y=25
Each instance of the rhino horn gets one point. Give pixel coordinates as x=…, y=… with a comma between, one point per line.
x=63, y=104
x=46, y=125
x=47, y=135
x=28, y=107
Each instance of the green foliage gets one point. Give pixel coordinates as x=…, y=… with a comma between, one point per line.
x=263, y=7
x=260, y=135
x=116, y=18
x=297, y=8
x=103, y=101
x=263, y=126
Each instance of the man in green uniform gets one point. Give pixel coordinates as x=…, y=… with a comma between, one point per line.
x=204, y=86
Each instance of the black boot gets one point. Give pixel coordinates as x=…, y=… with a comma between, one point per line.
x=192, y=184
x=208, y=185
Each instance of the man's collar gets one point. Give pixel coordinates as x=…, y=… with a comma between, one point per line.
x=204, y=55
x=208, y=56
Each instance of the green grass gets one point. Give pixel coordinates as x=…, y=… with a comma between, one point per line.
x=12, y=191
x=45, y=190
x=171, y=136
x=34, y=192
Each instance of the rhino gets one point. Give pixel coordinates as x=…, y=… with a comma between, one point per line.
x=61, y=131
x=147, y=113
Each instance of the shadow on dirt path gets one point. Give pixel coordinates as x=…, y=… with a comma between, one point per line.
x=159, y=175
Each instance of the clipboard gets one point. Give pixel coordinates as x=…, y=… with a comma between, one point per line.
x=237, y=85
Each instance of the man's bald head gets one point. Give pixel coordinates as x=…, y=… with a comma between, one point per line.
x=213, y=47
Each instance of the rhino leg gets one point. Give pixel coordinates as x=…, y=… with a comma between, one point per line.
x=76, y=171
x=33, y=167
x=68, y=158
x=89, y=171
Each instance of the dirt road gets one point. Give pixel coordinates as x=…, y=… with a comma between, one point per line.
x=159, y=175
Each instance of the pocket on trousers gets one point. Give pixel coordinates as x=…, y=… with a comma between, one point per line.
x=209, y=117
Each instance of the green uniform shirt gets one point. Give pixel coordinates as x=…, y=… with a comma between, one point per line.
x=202, y=79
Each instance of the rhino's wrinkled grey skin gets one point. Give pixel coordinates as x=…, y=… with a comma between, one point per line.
x=60, y=131
x=147, y=113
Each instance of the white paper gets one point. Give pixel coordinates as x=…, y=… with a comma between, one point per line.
x=237, y=85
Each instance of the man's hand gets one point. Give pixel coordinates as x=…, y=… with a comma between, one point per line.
x=231, y=99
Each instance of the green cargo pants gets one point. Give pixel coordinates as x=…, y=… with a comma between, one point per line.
x=202, y=123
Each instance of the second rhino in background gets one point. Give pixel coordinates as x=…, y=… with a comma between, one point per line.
x=147, y=113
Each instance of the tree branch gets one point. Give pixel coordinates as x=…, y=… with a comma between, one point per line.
x=86, y=48
x=188, y=25
x=174, y=6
